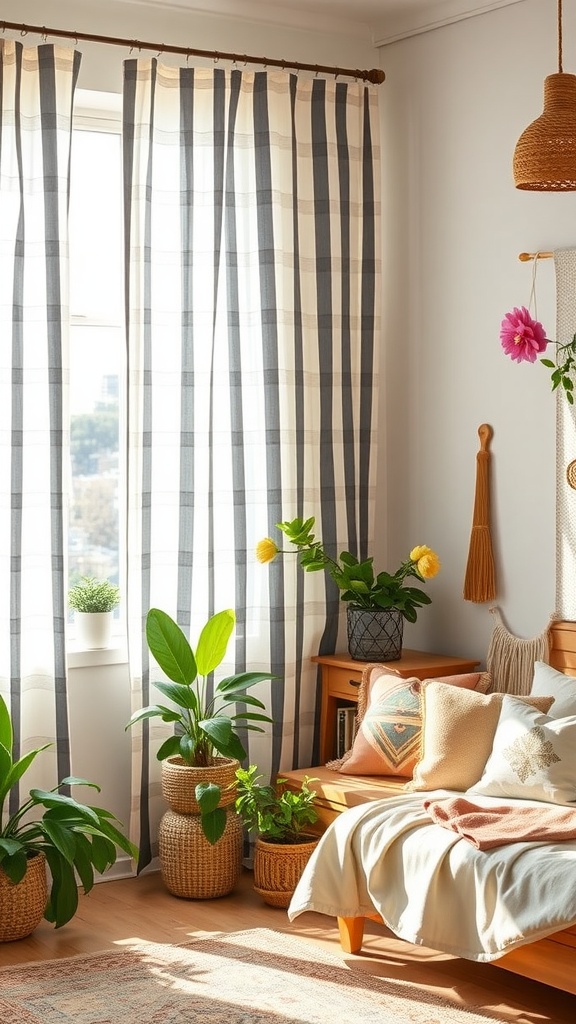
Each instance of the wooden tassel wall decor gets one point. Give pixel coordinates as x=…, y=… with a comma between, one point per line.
x=479, y=582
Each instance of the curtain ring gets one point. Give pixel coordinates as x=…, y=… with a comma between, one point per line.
x=24, y=32
x=44, y=35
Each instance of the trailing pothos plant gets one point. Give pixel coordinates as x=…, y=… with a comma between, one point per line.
x=205, y=718
x=74, y=837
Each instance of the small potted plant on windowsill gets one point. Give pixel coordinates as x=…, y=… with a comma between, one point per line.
x=281, y=819
x=93, y=601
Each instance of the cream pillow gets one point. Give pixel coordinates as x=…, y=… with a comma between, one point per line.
x=563, y=688
x=457, y=735
x=533, y=756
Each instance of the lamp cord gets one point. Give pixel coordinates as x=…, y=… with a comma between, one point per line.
x=560, y=36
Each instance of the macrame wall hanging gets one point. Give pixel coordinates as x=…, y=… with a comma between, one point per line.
x=510, y=659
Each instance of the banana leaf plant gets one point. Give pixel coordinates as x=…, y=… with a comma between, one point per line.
x=74, y=837
x=205, y=718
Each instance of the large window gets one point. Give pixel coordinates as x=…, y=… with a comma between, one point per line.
x=97, y=351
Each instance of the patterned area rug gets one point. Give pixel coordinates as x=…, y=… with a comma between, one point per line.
x=250, y=977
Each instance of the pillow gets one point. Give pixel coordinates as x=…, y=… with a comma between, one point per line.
x=389, y=723
x=457, y=735
x=532, y=757
x=563, y=688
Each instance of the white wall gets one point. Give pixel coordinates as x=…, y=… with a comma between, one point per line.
x=455, y=101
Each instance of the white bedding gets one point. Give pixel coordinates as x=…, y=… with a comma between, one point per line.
x=435, y=889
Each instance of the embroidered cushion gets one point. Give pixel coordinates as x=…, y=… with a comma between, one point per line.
x=457, y=735
x=389, y=722
x=548, y=680
x=532, y=757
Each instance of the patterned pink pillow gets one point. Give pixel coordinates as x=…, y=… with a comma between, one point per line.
x=389, y=722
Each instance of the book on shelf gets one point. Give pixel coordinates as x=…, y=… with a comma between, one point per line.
x=345, y=719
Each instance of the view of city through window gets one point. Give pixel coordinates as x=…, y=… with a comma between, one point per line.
x=96, y=355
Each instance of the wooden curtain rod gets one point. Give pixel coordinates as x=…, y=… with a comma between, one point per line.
x=525, y=256
x=375, y=76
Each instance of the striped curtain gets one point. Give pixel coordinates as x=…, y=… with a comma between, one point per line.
x=36, y=93
x=252, y=220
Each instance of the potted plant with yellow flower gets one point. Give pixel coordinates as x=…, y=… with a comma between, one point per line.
x=378, y=603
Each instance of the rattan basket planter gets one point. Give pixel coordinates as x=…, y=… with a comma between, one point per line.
x=278, y=867
x=191, y=867
x=22, y=905
x=179, y=782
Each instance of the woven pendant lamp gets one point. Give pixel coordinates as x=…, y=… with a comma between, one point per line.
x=545, y=154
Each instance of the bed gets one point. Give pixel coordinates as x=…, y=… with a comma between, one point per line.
x=455, y=887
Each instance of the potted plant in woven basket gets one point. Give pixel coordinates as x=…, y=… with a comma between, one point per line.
x=200, y=838
x=377, y=603
x=281, y=820
x=47, y=828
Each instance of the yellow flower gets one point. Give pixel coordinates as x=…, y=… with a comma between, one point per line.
x=266, y=550
x=428, y=563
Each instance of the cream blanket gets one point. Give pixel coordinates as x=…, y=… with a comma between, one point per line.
x=435, y=889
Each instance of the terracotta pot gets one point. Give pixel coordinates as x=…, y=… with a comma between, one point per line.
x=22, y=905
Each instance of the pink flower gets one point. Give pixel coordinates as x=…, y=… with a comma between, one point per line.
x=522, y=337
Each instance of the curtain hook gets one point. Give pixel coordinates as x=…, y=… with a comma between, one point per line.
x=44, y=35
x=216, y=58
x=24, y=32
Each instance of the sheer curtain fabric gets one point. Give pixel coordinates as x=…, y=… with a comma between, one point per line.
x=252, y=242
x=37, y=88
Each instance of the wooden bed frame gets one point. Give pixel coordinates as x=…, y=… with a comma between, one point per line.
x=551, y=960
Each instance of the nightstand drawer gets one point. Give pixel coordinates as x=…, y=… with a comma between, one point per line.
x=342, y=682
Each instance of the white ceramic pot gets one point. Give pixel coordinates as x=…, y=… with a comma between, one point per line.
x=93, y=629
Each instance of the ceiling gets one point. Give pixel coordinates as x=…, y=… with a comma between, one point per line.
x=379, y=21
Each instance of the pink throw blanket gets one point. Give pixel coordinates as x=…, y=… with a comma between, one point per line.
x=488, y=827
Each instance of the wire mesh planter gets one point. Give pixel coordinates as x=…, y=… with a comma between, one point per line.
x=375, y=634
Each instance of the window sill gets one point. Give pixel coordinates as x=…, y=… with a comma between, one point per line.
x=78, y=657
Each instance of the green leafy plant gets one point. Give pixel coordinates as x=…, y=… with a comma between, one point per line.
x=359, y=584
x=205, y=725
x=72, y=836
x=91, y=594
x=277, y=814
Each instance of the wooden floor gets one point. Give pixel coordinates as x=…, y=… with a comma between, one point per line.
x=132, y=909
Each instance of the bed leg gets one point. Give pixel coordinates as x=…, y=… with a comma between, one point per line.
x=351, y=933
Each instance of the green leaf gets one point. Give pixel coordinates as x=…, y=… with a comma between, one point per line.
x=242, y=681
x=217, y=729
x=567, y=383
x=213, y=641
x=186, y=748
x=170, y=747
x=181, y=694
x=63, y=899
x=49, y=799
x=548, y=363
x=83, y=861
x=213, y=825
x=5, y=726
x=208, y=795
x=14, y=861
x=61, y=837
x=18, y=770
x=154, y=711
x=170, y=647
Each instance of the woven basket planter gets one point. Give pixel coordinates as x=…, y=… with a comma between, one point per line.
x=179, y=782
x=22, y=905
x=191, y=867
x=278, y=867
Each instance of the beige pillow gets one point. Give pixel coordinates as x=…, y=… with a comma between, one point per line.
x=457, y=735
x=389, y=722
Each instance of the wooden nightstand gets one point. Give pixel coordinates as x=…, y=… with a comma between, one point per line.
x=341, y=676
